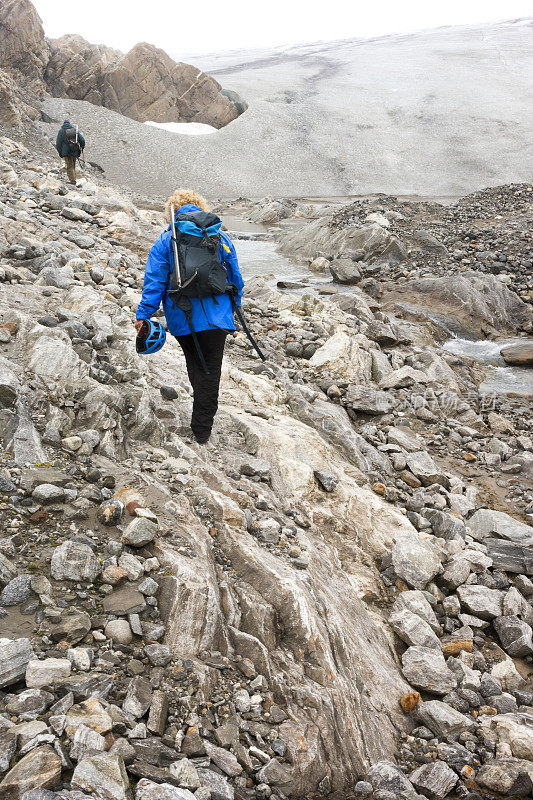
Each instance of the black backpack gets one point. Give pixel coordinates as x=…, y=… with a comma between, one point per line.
x=198, y=270
x=71, y=135
x=198, y=242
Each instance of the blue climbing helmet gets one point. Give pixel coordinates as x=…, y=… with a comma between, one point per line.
x=150, y=338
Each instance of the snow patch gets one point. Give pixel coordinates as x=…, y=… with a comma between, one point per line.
x=187, y=128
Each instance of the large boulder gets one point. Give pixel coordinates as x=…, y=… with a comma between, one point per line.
x=9, y=386
x=103, y=775
x=327, y=236
x=53, y=358
x=424, y=468
x=476, y=303
x=444, y=720
x=365, y=400
x=14, y=657
x=74, y=561
x=510, y=729
x=38, y=769
x=343, y=358
x=344, y=270
x=434, y=780
x=416, y=559
x=144, y=84
x=487, y=523
x=425, y=668
x=519, y=354
x=508, y=777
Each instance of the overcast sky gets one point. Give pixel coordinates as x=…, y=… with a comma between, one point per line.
x=216, y=25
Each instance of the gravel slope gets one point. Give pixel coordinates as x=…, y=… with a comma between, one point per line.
x=439, y=112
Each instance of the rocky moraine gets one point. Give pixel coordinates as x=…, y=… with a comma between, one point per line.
x=334, y=597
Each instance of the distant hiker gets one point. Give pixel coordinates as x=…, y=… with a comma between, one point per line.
x=70, y=145
x=210, y=288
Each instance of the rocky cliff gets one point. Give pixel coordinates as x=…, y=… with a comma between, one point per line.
x=24, y=54
x=145, y=84
x=23, y=48
x=330, y=598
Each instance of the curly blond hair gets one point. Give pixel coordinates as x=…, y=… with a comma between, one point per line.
x=183, y=196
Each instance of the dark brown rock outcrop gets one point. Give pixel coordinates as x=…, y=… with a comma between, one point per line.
x=24, y=50
x=144, y=84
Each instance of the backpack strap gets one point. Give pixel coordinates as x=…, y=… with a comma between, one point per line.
x=185, y=305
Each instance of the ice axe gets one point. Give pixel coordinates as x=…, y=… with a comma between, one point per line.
x=177, y=275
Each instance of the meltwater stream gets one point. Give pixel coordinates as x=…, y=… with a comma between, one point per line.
x=501, y=379
x=259, y=257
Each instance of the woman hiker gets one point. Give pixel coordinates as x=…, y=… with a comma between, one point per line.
x=211, y=316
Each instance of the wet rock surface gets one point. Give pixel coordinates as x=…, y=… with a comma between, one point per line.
x=332, y=598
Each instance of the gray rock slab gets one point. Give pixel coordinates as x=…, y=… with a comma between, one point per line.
x=46, y=672
x=365, y=400
x=124, y=601
x=415, y=602
x=14, y=657
x=425, y=668
x=40, y=768
x=74, y=561
x=413, y=630
x=422, y=465
x=515, y=635
x=416, y=559
x=434, y=780
x=16, y=591
x=443, y=720
x=138, y=697
x=103, y=776
x=510, y=557
x=219, y=786
x=481, y=601
x=149, y=790
x=139, y=532
x=488, y=523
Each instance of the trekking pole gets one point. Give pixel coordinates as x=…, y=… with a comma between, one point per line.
x=246, y=330
x=82, y=154
x=174, y=246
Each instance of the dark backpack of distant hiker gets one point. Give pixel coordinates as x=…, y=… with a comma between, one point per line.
x=198, y=270
x=71, y=135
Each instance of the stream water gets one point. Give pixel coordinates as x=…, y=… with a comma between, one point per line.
x=258, y=256
x=501, y=379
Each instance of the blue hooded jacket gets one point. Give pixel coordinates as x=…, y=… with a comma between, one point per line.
x=206, y=313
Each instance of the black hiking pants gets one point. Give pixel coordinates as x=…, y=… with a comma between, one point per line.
x=205, y=386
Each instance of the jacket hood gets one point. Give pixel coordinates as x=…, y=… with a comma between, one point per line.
x=187, y=208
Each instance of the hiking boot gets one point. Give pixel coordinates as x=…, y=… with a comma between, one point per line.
x=202, y=438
